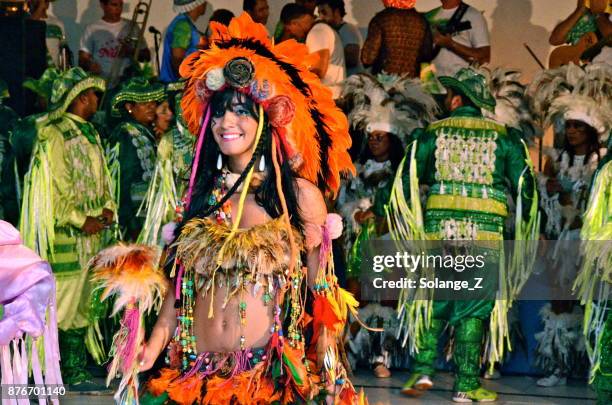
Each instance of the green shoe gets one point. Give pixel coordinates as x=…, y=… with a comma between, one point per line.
x=416, y=385
x=477, y=395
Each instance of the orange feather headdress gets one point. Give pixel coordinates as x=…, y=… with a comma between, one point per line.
x=301, y=112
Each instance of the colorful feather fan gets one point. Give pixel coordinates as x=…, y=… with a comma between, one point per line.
x=131, y=274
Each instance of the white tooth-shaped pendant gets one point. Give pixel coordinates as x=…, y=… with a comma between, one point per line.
x=220, y=162
x=262, y=163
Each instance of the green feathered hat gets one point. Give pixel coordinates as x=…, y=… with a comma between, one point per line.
x=68, y=85
x=136, y=90
x=44, y=85
x=472, y=85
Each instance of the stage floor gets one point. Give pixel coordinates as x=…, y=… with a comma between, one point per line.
x=511, y=390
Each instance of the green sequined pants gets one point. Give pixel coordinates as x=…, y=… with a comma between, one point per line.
x=74, y=355
x=603, y=378
x=468, y=319
x=466, y=356
x=423, y=362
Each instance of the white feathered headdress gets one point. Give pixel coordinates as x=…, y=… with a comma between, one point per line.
x=512, y=106
x=574, y=93
x=389, y=103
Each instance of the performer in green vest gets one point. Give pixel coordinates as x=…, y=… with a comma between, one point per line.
x=133, y=153
x=68, y=209
x=466, y=161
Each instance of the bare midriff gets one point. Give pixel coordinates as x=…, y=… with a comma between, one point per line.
x=222, y=332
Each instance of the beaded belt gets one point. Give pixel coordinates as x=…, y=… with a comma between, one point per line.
x=226, y=364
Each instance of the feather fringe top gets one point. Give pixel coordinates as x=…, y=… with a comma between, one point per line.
x=260, y=250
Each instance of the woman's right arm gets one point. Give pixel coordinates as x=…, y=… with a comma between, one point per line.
x=559, y=33
x=162, y=332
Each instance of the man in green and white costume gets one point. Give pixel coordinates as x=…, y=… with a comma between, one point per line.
x=466, y=161
x=67, y=209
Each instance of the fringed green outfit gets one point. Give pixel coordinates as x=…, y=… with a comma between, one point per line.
x=466, y=161
x=68, y=181
x=466, y=201
x=594, y=281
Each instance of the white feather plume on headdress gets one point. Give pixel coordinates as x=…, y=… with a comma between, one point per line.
x=389, y=103
x=550, y=84
x=574, y=93
x=512, y=106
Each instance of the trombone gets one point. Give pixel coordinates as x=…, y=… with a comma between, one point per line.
x=132, y=41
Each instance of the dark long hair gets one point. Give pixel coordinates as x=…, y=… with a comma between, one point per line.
x=266, y=194
x=592, y=140
x=396, y=151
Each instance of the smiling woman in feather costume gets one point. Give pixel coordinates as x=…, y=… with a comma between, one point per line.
x=255, y=314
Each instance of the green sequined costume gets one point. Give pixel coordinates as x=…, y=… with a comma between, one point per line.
x=466, y=161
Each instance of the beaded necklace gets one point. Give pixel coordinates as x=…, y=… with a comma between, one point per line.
x=223, y=214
